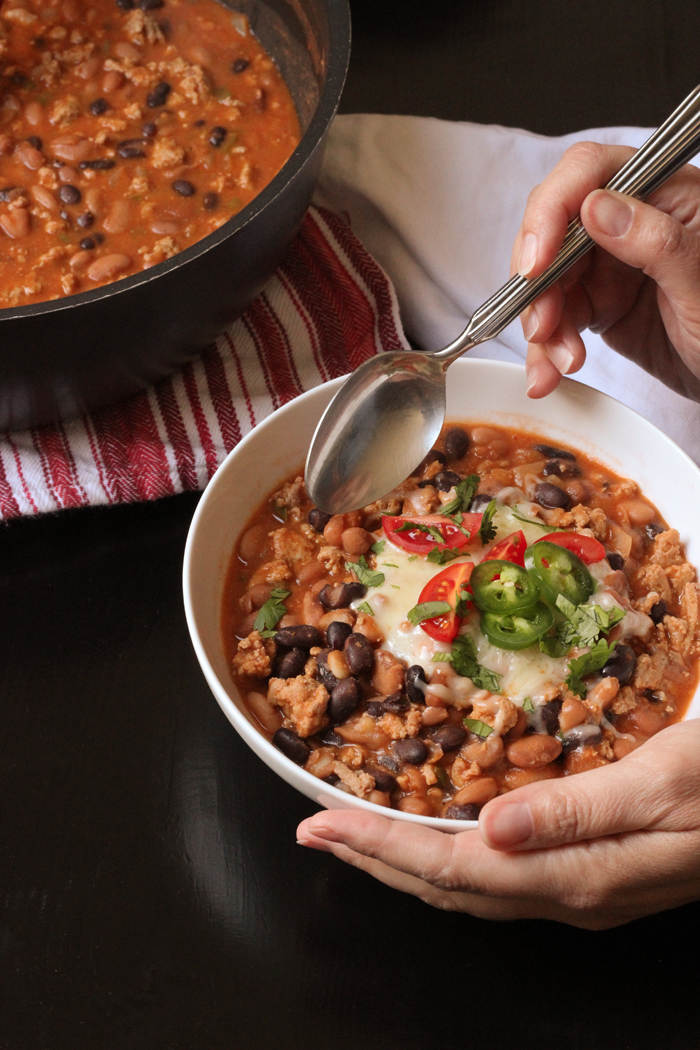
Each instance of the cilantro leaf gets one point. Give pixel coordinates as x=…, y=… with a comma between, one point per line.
x=438, y=557
x=270, y=614
x=587, y=664
x=466, y=665
x=365, y=607
x=369, y=577
x=427, y=611
x=431, y=530
x=552, y=645
x=389, y=565
x=528, y=704
x=585, y=623
x=533, y=521
x=464, y=493
x=413, y=557
x=462, y=602
x=487, y=530
x=378, y=547
x=478, y=727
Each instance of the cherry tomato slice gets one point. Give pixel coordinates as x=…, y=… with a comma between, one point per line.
x=512, y=548
x=446, y=587
x=420, y=541
x=585, y=547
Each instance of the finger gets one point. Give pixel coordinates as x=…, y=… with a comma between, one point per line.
x=550, y=207
x=640, y=792
x=564, y=352
x=646, y=238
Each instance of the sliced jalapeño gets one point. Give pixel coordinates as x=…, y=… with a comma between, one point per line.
x=559, y=571
x=503, y=587
x=517, y=630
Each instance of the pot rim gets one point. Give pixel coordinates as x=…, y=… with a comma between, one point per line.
x=338, y=59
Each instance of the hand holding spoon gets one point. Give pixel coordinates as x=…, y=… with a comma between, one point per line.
x=390, y=411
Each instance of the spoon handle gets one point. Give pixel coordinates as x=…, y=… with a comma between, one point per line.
x=670, y=147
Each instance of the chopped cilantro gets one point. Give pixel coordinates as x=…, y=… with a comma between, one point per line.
x=528, y=704
x=281, y=513
x=585, y=623
x=389, y=565
x=464, y=493
x=378, y=547
x=533, y=521
x=365, y=607
x=271, y=612
x=413, y=557
x=431, y=530
x=443, y=778
x=438, y=557
x=427, y=611
x=478, y=727
x=463, y=659
x=369, y=577
x=462, y=602
x=587, y=664
x=487, y=530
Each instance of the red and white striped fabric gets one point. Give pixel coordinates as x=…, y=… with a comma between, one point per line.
x=328, y=308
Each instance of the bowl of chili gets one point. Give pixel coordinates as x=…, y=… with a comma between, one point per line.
x=488, y=394
x=80, y=351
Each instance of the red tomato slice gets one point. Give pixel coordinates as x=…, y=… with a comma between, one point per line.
x=588, y=549
x=446, y=587
x=512, y=548
x=416, y=541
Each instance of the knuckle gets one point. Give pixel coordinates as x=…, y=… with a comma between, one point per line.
x=667, y=236
x=563, y=820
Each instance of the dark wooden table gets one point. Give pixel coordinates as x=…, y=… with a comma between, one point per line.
x=153, y=897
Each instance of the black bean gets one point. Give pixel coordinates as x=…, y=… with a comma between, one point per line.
x=434, y=455
x=102, y=164
x=359, y=654
x=395, y=703
x=87, y=244
x=449, y=738
x=199, y=123
x=126, y=5
x=375, y=708
x=456, y=443
x=548, y=495
x=444, y=480
x=621, y=664
x=414, y=676
x=654, y=529
x=149, y=130
x=555, y=453
x=5, y=193
x=150, y=5
x=658, y=611
x=615, y=560
x=85, y=220
x=462, y=811
x=217, y=135
x=383, y=781
x=35, y=141
x=339, y=595
x=389, y=762
x=652, y=696
x=550, y=716
x=290, y=663
x=332, y=779
x=131, y=148
x=239, y=65
x=300, y=636
x=98, y=106
x=159, y=95
x=99, y=237
x=337, y=633
x=210, y=201
x=292, y=746
x=581, y=736
x=323, y=671
x=69, y=194
x=480, y=502
x=345, y=698
x=555, y=468
x=424, y=484
x=40, y=42
x=183, y=187
x=412, y=751
x=329, y=738
x=318, y=519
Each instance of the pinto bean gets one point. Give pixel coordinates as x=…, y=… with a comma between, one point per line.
x=635, y=511
x=112, y=81
x=72, y=148
x=516, y=731
x=361, y=729
x=309, y=573
x=29, y=155
x=367, y=625
x=356, y=540
x=573, y=713
x=252, y=543
x=515, y=778
x=337, y=664
x=422, y=807
x=34, y=113
x=16, y=223
x=486, y=752
x=389, y=674
x=45, y=199
x=80, y=261
x=267, y=714
x=379, y=798
x=647, y=720
x=433, y=716
x=477, y=791
x=109, y=266
x=118, y=218
x=333, y=532
x=536, y=750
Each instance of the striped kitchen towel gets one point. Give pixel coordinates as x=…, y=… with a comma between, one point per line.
x=328, y=308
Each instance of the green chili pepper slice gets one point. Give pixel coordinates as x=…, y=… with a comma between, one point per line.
x=503, y=587
x=518, y=630
x=559, y=571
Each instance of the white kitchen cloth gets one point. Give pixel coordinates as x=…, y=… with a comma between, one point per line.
x=438, y=205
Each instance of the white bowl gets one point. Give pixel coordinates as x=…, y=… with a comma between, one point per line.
x=478, y=391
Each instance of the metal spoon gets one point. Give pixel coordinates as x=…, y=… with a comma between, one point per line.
x=389, y=412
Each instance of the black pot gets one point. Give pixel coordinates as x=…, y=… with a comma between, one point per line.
x=65, y=357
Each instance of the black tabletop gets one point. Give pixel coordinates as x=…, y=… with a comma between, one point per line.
x=153, y=896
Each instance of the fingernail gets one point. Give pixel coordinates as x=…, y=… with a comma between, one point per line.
x=611, y=213
x=511, y=825
x=528, y=254
x=319, y=831
x=532, y=377
x=530, y=322
x=560, y=356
